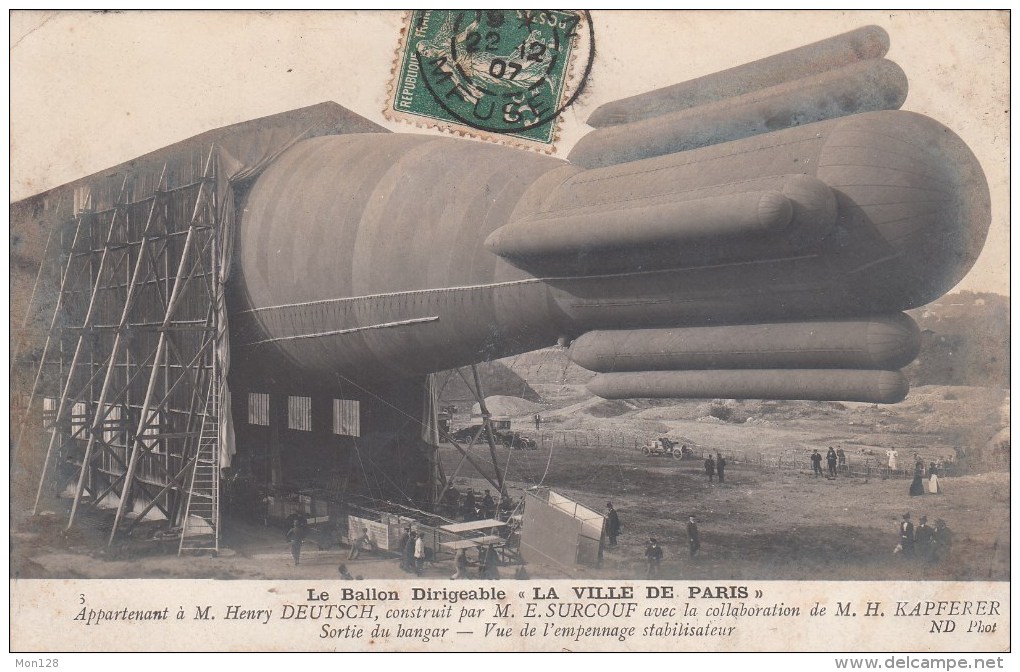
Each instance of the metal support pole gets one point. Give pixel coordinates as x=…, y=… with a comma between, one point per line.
x=487, y=422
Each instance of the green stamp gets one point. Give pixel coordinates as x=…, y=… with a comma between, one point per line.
x=507, y=72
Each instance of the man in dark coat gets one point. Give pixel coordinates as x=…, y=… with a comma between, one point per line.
x=816, y=462
x=693, y=537
x=653, y=554
x=408, y=551
x=831, y=459
x=710, y=468
x=296, y=535
x=942, y=541
x=405, y=539
x=491, y=566
x=488, y=505
x=907, y=536
x=451, y=501
x=612, y=524
x=923, y=538
x=469, y=505
x=720, y=466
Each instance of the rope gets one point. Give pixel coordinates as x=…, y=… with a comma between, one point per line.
x=357, y=449
x=546, y=472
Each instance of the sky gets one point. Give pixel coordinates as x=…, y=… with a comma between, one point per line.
x=91, y=90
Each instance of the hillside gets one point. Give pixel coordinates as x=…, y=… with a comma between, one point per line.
x=964, y=341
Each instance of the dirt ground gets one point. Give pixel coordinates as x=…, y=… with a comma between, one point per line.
x=770, y=522
x=762, y=523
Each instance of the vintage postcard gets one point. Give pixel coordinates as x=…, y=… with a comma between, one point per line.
x=511, y=330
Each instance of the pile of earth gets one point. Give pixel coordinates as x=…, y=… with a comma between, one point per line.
x=502, y=405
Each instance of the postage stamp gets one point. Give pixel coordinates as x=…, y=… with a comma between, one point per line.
x=502, y=75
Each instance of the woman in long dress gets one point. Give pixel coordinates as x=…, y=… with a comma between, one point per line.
x=917, y=485
x=934, y=487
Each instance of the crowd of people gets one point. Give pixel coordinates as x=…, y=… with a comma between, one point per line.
x=938, y=467
x=930, y=543
x=468, y=506
x=836, y=463
x=415, y=553
x=924, y=542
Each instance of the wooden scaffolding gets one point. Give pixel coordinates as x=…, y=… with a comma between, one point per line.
x=128, y=379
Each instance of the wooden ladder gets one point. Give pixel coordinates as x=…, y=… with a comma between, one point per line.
x=201, y=526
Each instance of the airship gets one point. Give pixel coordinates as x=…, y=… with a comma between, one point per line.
x=754, y=233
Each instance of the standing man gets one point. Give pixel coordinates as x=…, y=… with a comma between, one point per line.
x=907, y=536
x=491, y=566
x=816, y=462
x=922, y=539
x=419, y=555
x=693, y=537
x=408, y=551
x=538, y=422
x=488, y=505
x=710, y=468
x=296, y=535
x=469, y=505
x=612, y=524
x=720, y=466
x=831, y=460
x=653, y=554
x=942, y=541
x=451, y=502
x=405, y=539
x=842, y=459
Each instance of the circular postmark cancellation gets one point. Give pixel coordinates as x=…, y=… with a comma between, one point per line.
x=509, y=72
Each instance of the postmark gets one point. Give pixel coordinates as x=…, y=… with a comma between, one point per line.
x=502, y=75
